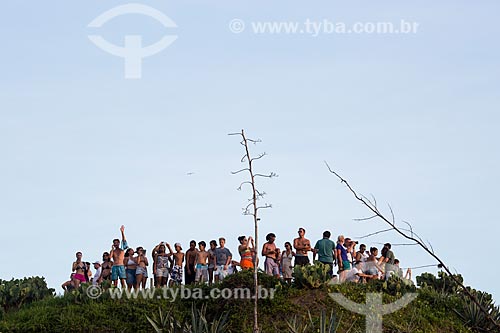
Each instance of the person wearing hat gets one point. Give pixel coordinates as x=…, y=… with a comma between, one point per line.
x=176, y=274
x=97, y=276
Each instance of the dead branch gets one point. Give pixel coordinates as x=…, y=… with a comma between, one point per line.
x=374, y=233
x=365, y=218
x=235, y=172
x=418, y=241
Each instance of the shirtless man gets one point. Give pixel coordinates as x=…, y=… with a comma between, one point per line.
x=301, y=245
x=190, y=260
x=176, y=274
x=271, y=252
x=117, y=253
x=201, y=267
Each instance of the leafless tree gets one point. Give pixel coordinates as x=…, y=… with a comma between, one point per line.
x=409, y=234
x=252, y=208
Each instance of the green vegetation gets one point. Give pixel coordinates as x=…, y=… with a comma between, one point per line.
x=19, y=292
x=304, y=306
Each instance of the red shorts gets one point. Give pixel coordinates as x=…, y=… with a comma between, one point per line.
x=80, y=277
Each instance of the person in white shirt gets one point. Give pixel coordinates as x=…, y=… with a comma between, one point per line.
x=97, y=276
x=356, y=273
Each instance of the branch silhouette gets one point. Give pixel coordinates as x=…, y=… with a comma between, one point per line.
x=415, y=238
x=252, y=208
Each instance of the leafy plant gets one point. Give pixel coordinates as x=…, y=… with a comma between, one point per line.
x=199, y=322
x=311, y=276
x=164, y=322
x=442, y=283
x=326, y=325
x=17, y=292
x=474, y=318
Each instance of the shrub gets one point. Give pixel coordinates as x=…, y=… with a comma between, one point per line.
x=18, y=292
x=311, y=276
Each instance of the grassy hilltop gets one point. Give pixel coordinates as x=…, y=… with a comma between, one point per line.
x=303, y=307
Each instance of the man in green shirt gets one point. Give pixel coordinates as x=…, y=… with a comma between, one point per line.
x=324, y=249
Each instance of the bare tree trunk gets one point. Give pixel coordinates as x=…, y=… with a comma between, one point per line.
x=252, y=209
x=256, y=235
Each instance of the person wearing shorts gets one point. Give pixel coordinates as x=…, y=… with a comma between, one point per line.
x=271, y=252
x=176, y=275
x=118, y=272
x=222, y=260
x=117, y=253
x=161, y=266
x=141, y=272
x=178, y=257
x=80, y=268
x=271, y=267
x=302, y=245
x=201, y=273
x=201, y=267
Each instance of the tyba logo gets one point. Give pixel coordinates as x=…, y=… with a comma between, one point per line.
x=132, y=51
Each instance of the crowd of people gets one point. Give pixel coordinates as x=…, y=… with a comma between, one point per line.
x=198, y=264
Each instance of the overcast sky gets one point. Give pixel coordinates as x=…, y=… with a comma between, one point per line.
x=410, y=118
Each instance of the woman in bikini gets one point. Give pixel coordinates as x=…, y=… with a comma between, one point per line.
x=246, y=252
x=141, y=273
x=106, y=267
x=80, y=269
x=130, y=268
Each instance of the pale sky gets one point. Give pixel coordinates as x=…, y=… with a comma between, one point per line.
x=410, y=118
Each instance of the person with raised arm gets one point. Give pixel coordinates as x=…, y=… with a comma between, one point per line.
x=117, y=253
x=160, y=266
x=246, y=250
